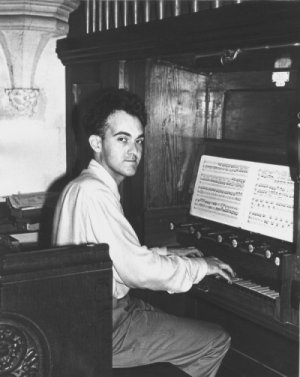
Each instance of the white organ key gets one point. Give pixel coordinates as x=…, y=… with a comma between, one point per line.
x=247, y=284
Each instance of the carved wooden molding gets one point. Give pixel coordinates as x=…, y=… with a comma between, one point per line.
x=201, y=34
x=24, y=349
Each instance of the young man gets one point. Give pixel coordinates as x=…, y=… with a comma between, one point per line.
x=89, y=211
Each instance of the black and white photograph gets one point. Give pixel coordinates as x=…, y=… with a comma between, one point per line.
x=149, y=188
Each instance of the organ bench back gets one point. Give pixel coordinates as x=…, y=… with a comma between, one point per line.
x=55, y=312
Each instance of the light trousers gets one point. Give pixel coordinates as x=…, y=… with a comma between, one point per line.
x=143, y=335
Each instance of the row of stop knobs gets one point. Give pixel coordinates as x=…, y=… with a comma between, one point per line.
x=222, y=235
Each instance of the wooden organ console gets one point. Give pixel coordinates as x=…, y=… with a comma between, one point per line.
x=219, y=82
x=262, y=296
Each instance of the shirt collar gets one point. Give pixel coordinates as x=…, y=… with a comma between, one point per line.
x=104, y=175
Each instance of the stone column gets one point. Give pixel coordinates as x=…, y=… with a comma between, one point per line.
x=25, y=28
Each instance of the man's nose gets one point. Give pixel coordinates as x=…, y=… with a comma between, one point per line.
x=133, y=149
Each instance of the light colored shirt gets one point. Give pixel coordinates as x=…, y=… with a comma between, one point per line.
x=89, y=211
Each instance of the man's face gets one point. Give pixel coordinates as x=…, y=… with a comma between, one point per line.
x=122, y=145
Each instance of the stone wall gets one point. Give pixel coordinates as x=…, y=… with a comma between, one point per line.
x=32, y=94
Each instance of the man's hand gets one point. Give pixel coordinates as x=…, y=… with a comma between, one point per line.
x=217, y=267
x=190, y=251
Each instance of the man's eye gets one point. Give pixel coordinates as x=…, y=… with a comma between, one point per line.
x=140, y=141
x=122, y=139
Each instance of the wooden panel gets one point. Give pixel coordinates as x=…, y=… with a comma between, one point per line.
x=177, y=107
x=255, y=350
x=215, y=105
x=63, y=297
x=157, y=225
x=251, y=80
x=259, y=115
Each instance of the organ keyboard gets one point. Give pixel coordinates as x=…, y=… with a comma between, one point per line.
x=262, y=265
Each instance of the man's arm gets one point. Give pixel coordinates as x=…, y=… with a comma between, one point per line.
x=137, y=266
x=214, y=265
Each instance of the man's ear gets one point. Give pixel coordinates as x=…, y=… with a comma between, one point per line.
x=95, y=143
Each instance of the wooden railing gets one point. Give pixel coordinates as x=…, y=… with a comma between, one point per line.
x=103, y=15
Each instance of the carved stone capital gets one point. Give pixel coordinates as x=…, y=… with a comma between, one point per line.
x=23, y=100
x=26, y=27
x=45, y=16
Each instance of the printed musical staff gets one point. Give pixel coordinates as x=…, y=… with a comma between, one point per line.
x=271, y=205
x=254, y=196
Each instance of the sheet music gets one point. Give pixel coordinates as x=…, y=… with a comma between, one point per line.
x=34, y=200
x=219, y=189
x=254, y=196
x=272, y=203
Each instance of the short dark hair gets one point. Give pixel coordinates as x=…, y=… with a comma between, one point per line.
x=101, y=104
